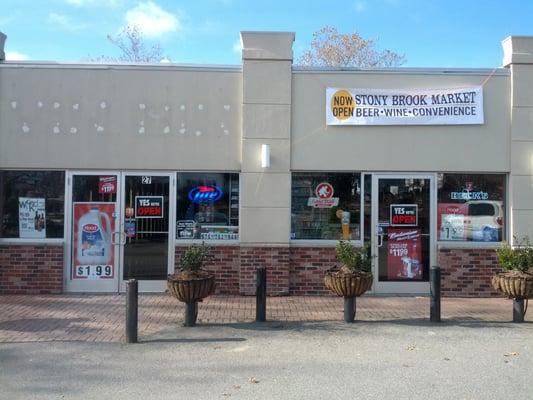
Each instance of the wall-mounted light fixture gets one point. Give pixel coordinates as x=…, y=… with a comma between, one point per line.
x=265, y=156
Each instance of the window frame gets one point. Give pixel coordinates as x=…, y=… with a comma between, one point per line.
x=45, y=241
x=329, y=242
x=471, y=244
x=215, y=242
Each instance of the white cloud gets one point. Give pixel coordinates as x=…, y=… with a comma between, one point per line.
x=209, y=26
x=237, y=46
x=58, y=19
x=96, y=3
x=360, y=6
x=152, y=20
x=16, y=56
x=64, y=22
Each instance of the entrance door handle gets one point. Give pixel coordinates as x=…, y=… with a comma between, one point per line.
x=380, y=239
x=125, y=237
x=113, y=237
x=121, y=238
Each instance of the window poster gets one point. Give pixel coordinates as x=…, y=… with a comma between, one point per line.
x=93, y=252
x=404, y=250
x=32, y=218
x=451, y=221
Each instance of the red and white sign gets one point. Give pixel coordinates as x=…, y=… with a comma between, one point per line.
x=107, y=184
x=93, y=254
x=324, y=197
x=404, y=251
x=324, y=190
x=451, y=220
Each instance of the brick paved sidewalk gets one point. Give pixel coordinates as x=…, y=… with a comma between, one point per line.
x=100, y=318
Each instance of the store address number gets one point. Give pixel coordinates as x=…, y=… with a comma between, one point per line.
x=94, y=271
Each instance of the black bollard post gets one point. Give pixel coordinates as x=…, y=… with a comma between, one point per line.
x=191, y=313
x=518, y=310
x=260, y=294
x=132, y=292
x=349, y=309
x=434, y=285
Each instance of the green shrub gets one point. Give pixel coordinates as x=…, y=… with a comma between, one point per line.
x=518, y=258
x=354, y=258
x=194, y=257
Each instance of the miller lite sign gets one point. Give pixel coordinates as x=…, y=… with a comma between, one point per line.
x=205, y=194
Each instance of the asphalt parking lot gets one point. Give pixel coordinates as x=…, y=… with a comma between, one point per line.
x=70, y=347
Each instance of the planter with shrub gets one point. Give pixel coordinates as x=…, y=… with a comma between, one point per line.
x=517, y=262
x=352, y=278
x=191, y=284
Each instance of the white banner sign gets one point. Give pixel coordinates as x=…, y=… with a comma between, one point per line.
x=32, y=218
x=458, y=106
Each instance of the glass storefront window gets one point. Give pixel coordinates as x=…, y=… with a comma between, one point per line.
x=326, y=206
x=471, y=207
x=32, y=204
x=207, y=206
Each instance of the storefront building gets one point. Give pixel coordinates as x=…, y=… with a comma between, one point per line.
x=108, y=172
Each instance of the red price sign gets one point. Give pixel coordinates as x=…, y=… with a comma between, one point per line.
x=107, y=184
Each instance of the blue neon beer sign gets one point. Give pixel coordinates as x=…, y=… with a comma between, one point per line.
x=205, y=193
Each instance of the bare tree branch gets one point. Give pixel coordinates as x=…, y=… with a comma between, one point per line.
x=333, y=49
x=132, y=45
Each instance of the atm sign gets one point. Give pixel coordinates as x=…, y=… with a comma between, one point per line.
x=404, y=215
x=148, y=206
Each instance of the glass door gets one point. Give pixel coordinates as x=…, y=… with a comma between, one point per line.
x=147, y=220
x=94, y=232
x=402, y=222
x=120, y=228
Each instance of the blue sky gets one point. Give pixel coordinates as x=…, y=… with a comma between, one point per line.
x=448, y=33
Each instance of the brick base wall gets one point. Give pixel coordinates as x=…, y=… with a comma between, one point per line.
x=468, y=272
x=299, y=270
x=234, y=268
x=225, y=264
x=307, y=268
x=275, y=259
x=31, y=269
x=295, y=270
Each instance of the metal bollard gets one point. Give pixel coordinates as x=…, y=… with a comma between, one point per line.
x=132, y=293
x=518, y=310
x=434, y=284
x=350, y=306
x=260, y=294
x=191, y=314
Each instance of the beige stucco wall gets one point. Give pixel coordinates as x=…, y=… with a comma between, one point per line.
x=518, y=56
x=123, y=117
x=265, y=192
x=316, y=146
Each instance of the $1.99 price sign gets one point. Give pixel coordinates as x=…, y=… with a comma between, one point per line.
x=94, y=271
